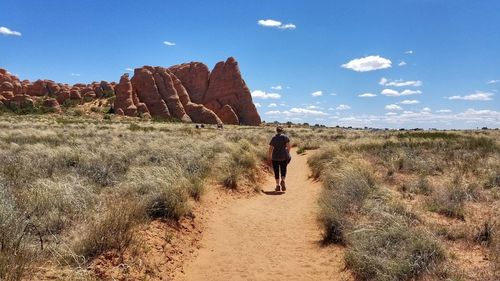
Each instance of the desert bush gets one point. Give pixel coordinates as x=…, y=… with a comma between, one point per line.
x=328, y=155
x=169, y=203
x=344, y=193
x=15, y=254
x=419, y=186
x=390, y=250
x=450, y=200
x=110, y=229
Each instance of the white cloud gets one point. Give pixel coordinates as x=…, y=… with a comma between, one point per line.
x=333, y=94
x=269, y=23
x=277, y=87
x=272, y=105
x=493, y=81
x=6, y=31
x=426, y=109
x=444, y=111
x=277, y=24
x=409, y=52
x=368, y=63
x=297, y=112
x=313, y=107
x=168, y=43
x=399, y=83
x=394, y=93
x=343, y=107
x=258, y=94
x=289, y=26
x=367, y=95
x=410, y=102
x=257, y=104
x=317, y=94
x=477, y=96
x=391, y=113
x=402, y=63
x=75, y=74
x=273, y=112
x=129, y=69
x=393, y=107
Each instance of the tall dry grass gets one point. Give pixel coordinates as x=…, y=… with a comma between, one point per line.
x=72, y=188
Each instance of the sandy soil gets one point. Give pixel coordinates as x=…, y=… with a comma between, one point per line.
x=273, y=236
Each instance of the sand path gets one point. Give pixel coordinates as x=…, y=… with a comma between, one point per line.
x=269, y=236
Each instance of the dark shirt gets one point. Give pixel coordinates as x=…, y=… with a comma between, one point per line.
x=279, y=142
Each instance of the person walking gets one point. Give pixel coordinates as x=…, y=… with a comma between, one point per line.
x=279, y=157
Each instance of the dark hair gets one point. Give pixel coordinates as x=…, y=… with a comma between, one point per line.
x=279, y=129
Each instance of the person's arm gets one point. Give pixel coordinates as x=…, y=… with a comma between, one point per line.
x=288, y=147
x=270, y=154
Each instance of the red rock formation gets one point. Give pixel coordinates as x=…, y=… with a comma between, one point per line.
x=227, y=87
x=188, y=92
x=168, y=93
x=227, y=115
x=194, y=77
x=52, y=105
x=123, y=98
x=145, y=88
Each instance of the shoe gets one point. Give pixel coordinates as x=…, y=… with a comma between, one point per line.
x=277, y=188
x=283, y=187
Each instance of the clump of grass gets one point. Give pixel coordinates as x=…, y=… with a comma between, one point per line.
x=344, y=193
x=110, y=230
x=451, y=200
x=241, y=165
x=420, y=186
x=390, y=250
x=170, y=203
x=15, y=255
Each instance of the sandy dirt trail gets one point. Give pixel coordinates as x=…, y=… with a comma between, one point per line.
x=269, y=236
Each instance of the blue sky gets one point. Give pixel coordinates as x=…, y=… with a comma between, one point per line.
x=439, y=58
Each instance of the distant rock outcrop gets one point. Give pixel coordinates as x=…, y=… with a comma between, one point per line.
x=188, y=92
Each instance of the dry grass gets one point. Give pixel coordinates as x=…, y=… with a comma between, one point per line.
x=388, y=227
x=73, y=188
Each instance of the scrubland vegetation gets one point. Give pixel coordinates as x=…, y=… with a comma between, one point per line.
x=412, y=204
x=72, y=188
x=404, y=205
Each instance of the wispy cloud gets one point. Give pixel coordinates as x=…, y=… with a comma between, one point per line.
x=368, y=63
x=367, y=95
x=409, y=52
x=277, y=87
x=272, y=105
x=399, y=83
x=393, y=107
x=394, y=93
x=257, y=104
x=6, y=31
x=129, y=69
x=169, y=43
x=493, y=81
x=410, y=102
x=477, y=96
x=343, y=107
x=444, y=111
x=258, y=94
x=297, y=112
x=276, y=24
x=402, y=63
x=317, y=94
x=75, y=74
